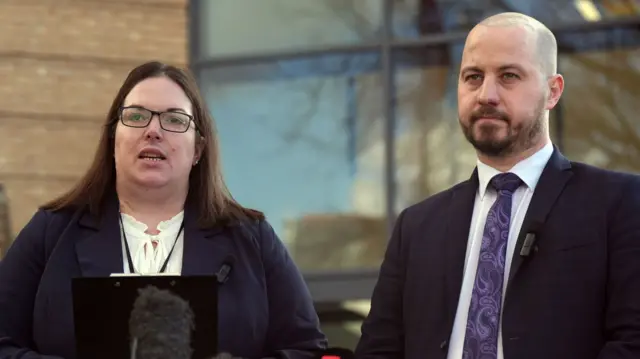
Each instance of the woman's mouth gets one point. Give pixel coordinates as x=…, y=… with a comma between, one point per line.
x=154, y=157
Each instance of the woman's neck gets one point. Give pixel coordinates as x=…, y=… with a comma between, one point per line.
x=151, y=206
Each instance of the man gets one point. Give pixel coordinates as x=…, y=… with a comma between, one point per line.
x=533, y=257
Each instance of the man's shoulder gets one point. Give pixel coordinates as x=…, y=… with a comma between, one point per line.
x=435, y=201
x=603, y=178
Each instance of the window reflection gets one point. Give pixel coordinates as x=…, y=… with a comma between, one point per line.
x=343, y=327
x=601, y=106
x=303, y=141
x=431, y=151
x=415, y=18
x=233, y=27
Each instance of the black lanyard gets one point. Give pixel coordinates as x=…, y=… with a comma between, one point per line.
x=126, y=247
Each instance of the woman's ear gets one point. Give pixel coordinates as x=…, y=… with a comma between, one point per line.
x=199, y=148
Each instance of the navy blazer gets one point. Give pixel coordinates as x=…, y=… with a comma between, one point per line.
x=577, y=296
x=265, y=309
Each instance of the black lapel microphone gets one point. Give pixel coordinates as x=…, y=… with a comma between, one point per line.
x=160, y=325
x=225, y=269
x=530, y=239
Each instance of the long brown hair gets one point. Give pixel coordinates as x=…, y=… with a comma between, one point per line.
x=208, y=193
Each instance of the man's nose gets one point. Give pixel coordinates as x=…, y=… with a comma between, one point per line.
x=488, y=94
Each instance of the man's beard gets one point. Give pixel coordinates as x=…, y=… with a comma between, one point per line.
x=484, y=137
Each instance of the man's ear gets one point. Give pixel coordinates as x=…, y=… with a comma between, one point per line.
x=556, y=87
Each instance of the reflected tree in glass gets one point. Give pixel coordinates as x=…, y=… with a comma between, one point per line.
x=601, y=106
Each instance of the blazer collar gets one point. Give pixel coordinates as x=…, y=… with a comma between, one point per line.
x=99, y=247
x=553, y=181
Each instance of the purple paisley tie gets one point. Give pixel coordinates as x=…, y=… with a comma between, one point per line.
x=481, y=337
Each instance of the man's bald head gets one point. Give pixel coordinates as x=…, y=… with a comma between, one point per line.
x=507, y=85
x=546, y=44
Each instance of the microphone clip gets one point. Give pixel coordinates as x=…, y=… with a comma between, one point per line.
x=223, y=273
x=528, y=245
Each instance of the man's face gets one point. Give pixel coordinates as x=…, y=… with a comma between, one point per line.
x=502, y=91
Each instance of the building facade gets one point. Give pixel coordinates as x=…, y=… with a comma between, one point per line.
x=61, y=64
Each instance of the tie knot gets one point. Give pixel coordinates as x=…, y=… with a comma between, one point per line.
x=508, y=182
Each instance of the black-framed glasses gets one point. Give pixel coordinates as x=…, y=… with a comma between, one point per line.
x=140, y=117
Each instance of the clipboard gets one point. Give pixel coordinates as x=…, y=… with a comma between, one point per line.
x=102, y=306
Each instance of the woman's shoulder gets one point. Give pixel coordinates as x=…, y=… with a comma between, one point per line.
x=56, y=217
x=256, y=232
x=48, y=223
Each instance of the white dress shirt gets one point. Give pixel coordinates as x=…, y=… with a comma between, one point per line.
x=147, y=258
x=529, y=171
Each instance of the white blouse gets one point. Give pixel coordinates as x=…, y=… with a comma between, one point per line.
x=149, y=252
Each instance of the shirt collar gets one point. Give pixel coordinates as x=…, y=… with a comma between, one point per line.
x=529, y=170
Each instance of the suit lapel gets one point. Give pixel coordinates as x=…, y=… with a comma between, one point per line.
x=458, y=216
x=553, y=180
x=98, y=247
x=205, y=250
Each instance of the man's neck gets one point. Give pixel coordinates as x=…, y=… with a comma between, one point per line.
x=151, y=206
x=505, y=163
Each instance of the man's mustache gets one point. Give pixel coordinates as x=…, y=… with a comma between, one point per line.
x=488, y=112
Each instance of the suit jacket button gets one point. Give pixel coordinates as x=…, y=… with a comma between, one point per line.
x=443, y=345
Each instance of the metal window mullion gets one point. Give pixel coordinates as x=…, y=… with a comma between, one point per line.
x=388, y=94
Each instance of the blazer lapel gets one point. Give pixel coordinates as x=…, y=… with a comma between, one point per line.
x=553, y=180
x=205, y=250
x=457, y=236
x=99, y=246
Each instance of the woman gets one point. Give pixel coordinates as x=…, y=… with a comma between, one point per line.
x=154, y=201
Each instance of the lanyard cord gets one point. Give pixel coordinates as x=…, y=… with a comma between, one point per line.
x=126, y=247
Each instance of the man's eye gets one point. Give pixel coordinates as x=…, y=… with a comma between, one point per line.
x=473, y=77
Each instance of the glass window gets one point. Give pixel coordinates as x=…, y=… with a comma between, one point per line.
x=431, y=151
x=240, y=27
x=600, y=108
x=415, y=18
x=303, y=141
x=343, y=327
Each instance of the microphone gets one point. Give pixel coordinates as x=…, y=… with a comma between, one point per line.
x=225, y=269
x=160, y=325
x=335, y=353
x=530, y=239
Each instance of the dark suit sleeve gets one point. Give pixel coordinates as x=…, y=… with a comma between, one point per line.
x=20, y=272
x=622, y=321
x=294, y=327
x=383, y=330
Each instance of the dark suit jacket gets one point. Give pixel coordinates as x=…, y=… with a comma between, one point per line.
x=265, y=309
x=576, y=297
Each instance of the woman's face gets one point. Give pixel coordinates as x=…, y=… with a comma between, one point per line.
x=153, y=156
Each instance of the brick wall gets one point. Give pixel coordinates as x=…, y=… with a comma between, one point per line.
x=61, y=63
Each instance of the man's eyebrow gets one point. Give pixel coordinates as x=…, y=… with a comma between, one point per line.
x=468, y=69
x=503, y=68
x=511, y=67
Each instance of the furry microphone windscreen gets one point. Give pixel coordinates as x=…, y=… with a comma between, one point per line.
x=160, y=325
